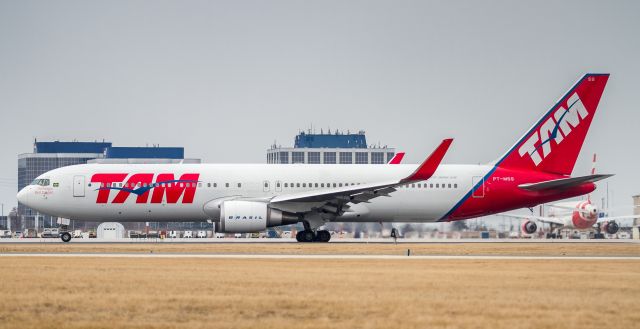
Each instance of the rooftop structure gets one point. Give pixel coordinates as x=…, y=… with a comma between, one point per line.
x=337, y=140
x=336, y=148
x=108, y=151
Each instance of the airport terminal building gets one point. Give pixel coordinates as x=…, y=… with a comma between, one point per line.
x=328, y=148
x=47, y=156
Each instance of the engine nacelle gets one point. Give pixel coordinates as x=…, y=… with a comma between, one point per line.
x=611, y=227
x=237, y=216
x=529, y=227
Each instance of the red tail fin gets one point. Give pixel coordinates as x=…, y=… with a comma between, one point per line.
x=396, y=158
x=552, y=145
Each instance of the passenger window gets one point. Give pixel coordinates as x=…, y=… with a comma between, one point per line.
x=413, y=185
x=215, y=184
x=340, y=184
x=316, y=184
x=455, y=185
x=304, y=184
x=297, y=184
x=208, y=184
x=437, y=185
x=286, y=184
x=431, y=185
x=277, y=184
x=449, y=185
x=321, y=184
x=239, y=185
x=334, y=184
x=226, y=184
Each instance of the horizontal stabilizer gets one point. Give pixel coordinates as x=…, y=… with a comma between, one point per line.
x=563, y=182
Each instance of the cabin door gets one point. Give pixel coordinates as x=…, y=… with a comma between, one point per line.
x=78, y=186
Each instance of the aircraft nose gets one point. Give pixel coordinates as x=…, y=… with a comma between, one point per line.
x=23, y=196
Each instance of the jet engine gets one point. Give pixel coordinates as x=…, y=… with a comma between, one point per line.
x=611, y=227
x=238, y=216
x=529, y=227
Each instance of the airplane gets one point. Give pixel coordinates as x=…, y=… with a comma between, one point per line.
x=239, y=198
x=579, y=215
x=572, y=215
x=397, y=158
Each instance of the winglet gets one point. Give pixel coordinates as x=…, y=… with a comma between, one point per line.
x=396, y=158
x=429, y=166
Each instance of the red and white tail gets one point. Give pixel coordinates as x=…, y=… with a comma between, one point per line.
x=553, y=144
x=397, y=158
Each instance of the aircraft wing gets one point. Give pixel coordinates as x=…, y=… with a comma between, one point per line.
x=548, y=220
x=563, y=182
x=608, y=219
x=334, y=201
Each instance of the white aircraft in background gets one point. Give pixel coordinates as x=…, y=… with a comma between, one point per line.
x=240, y=198
x=572, y=215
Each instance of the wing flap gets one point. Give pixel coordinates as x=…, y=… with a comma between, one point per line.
x=552, y=220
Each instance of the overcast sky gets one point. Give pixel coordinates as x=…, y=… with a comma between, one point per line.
x=225, y=79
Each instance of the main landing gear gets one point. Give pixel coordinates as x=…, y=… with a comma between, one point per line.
x=311, y=236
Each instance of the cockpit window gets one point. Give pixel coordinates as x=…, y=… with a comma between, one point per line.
x=41, y=182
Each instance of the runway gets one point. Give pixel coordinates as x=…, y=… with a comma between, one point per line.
x=323, y=257
x=334, y=241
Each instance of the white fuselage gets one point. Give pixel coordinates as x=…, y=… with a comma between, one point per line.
x=71, y=194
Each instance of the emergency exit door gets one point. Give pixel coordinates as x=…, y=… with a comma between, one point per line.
x=78, y=186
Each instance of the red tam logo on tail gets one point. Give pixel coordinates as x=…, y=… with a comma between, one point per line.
x=563, y=120
x=553, y=144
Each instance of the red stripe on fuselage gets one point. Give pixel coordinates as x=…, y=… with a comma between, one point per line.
x=501, y=193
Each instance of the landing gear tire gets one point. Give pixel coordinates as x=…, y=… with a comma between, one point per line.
x=65, y=236
x=323, y=236
x=306, y=236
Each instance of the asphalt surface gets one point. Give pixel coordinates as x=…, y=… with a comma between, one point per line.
x=351, y=257
x=364, y=241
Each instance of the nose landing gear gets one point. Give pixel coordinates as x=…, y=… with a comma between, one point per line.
x=65, y=236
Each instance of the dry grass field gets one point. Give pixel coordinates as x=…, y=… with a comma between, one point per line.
x=39, y=292
x=520, y=249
